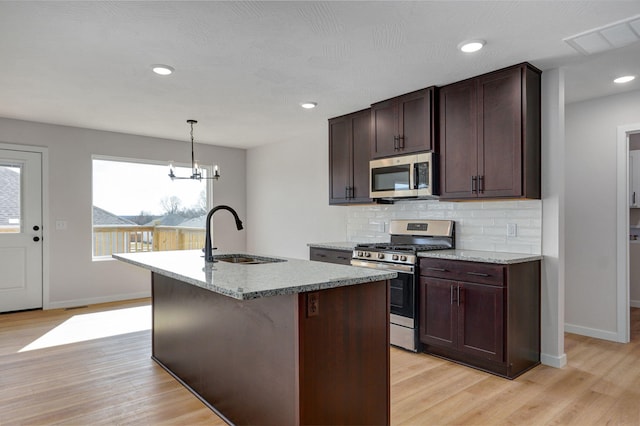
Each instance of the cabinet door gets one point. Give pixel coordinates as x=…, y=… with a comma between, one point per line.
x=438, y=312
x=500, y=134
x=415, y=121
x=458, y=141
x=339, y=159
x=361, y=124
x=384, y=129
x=481, y=316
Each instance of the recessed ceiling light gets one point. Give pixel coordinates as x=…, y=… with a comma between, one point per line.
x=470, y=46
x=162, y=69
x=309, y=105
x=624, y=79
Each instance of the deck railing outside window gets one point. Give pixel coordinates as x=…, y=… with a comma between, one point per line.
x=130, y=239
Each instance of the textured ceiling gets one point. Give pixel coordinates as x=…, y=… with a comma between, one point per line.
x=242, y=68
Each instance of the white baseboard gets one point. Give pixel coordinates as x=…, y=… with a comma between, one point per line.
x=592, y=332
x=553, y=360
x=96, y=300
x=634, y=303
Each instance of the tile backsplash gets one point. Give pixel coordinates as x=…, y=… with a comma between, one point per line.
x=479, y=225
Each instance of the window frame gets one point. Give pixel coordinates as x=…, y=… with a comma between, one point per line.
x=145, y=161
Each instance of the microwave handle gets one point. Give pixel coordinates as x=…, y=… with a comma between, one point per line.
x=415, y=176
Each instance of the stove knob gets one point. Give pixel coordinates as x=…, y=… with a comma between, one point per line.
x=394, y=257
x=367, y=254
x=403, y=258
x=359, y=254
x=380, y=255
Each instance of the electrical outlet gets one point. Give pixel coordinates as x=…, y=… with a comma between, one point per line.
x=512, y=229
x=313, y=304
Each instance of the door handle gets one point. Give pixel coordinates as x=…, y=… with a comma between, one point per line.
x=36, y=228
x=36, y=239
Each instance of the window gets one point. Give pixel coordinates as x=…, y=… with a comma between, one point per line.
x=137, y=207
x=10, y=198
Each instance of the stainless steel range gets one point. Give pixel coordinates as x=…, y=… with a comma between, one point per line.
x=408, y=238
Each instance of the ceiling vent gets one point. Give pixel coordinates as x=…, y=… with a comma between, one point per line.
x=612, y=36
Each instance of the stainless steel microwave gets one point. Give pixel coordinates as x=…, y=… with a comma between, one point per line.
x=404, y=176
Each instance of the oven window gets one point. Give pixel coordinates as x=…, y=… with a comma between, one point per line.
x=402, y=295
x=390, y=178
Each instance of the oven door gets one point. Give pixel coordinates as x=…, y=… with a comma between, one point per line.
x=402, y=288
x=402, y=300
x=403, y=330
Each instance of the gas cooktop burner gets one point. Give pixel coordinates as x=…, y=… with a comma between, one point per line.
x=408, y=238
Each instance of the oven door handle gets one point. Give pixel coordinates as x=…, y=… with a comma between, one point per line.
x=407, y=269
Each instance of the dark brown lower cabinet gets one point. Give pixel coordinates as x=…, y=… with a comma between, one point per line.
x=318, y=358
x=483, y=315
x=341, y=257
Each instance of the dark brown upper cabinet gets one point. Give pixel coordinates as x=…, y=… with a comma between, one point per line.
x=349, y=139
x=489, y=135
x=404, y=124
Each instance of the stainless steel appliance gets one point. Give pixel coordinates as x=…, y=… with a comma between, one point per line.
x=403, y=176
x=408, y=238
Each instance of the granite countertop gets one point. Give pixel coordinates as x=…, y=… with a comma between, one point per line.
x=481, y=256
x=245, y=282
x=340, y=245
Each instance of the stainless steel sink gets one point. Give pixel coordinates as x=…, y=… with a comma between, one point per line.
x=245, y=259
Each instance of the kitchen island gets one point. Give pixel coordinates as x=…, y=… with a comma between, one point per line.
x=282, y=342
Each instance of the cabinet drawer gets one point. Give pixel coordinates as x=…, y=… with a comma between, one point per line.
x=457, y=270
x=342, y=257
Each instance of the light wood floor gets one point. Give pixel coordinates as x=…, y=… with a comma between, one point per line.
x=112, y=380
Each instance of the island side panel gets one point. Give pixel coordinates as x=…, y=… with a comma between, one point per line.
x=239, y=356
x=344, y=355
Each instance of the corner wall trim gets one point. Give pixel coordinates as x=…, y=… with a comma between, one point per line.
x=553, y=360
x=594, y=332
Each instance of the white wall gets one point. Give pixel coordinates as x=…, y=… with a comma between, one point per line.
x=74, y=278
x=591, y=132
x=287, y=193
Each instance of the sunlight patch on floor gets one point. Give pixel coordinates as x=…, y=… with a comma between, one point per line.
x=83, y=327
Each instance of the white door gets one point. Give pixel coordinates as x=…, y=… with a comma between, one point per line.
x=20, y=230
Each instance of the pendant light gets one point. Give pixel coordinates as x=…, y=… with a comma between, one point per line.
x=196, y=172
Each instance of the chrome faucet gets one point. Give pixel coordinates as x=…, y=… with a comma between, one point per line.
x=208, y=249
